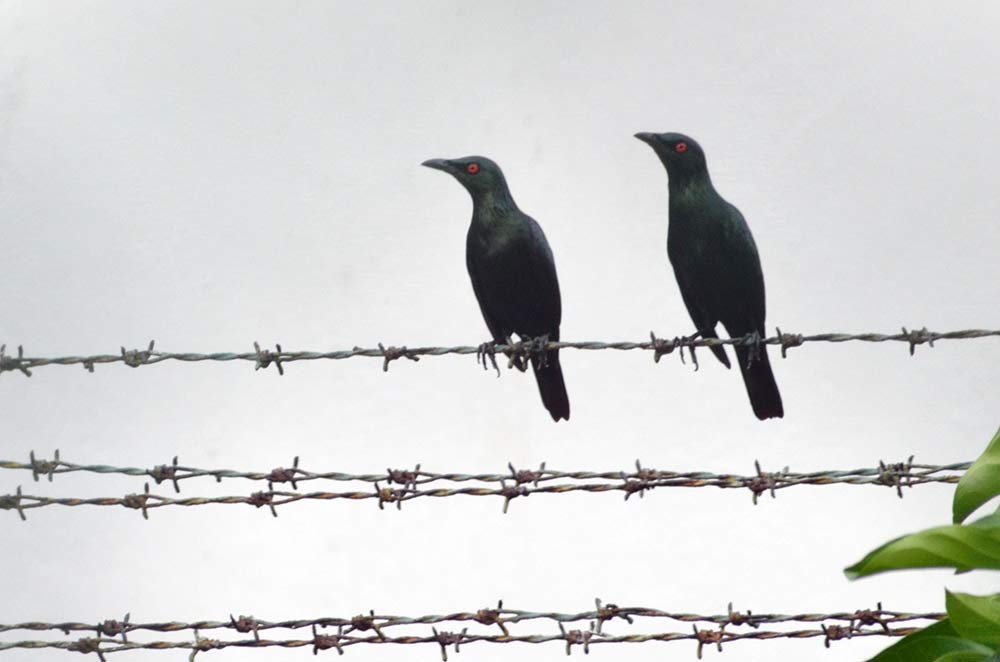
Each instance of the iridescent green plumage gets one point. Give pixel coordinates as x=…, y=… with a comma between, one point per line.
x=716, y=264
x=512, y=270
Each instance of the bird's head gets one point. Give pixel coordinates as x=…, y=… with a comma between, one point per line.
x=680, y=154
x=477, y=174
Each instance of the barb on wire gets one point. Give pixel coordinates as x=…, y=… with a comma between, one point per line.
x=419, y=483
x=133, y=357
x=516, y=351
x=713, y=630
x=11, y=363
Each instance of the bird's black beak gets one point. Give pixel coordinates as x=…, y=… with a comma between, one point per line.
x=648, y=138
x=439, y=164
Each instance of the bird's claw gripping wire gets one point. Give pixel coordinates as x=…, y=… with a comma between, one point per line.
x=487, y=351
x=516, y=353
x=662, y=346
x=537, y=348
x=755, y=343
x=686, y=341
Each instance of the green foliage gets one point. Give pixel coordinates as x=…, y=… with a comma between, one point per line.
x=979, y=484
x=934, y=643
x=976, y=618
x=971, y=633
x=967, y=656
x=963, y=547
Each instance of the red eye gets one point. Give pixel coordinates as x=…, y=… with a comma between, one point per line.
x=472, y=168
x=680, y=148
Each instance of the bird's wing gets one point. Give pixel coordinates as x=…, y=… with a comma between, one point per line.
x=484, y=295
x=540, y=305
x=702, y=320
x=517, y=287
x=746, y=298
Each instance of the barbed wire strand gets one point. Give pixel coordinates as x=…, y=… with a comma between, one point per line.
x=884, y=474
x=417, y=483
x=860, y=623
x=263, y=358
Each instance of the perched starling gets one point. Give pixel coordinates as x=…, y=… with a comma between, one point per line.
x=512, y=271
x=716, y=264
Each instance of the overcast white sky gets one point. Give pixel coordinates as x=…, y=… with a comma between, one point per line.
x=210, y=174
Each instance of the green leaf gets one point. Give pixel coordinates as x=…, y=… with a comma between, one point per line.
x=988, y=522
x=963, y=547
x=979, y=484
x=975, y=617
x=966, y=656
x=932, y=644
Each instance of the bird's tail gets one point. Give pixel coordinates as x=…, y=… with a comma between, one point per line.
x=761, y=387
x=718, y=350
x=551, y=385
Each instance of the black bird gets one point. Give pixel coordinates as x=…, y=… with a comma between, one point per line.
x=512, y=271
x=716, y=264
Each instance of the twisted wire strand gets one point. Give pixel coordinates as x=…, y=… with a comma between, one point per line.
x=93, y=645
x=660, y=346
x=507, y=616
x=417, y=483
x=860, y=623
x=918, y=473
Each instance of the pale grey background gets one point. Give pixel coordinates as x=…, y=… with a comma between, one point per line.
x=209, y=174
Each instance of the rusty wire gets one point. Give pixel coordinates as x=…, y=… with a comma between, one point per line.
x=418, y=483
x=263, y=358
x=353, y=631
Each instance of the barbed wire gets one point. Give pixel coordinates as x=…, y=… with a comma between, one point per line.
x=486, y=352
x=418, y=483
x=351, y=631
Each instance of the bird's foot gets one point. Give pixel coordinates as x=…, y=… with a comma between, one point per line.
x=754, y=342
x=517, y=354
x=488, y=352
x=537, y=347
x=661, y=346
x=685, y=341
